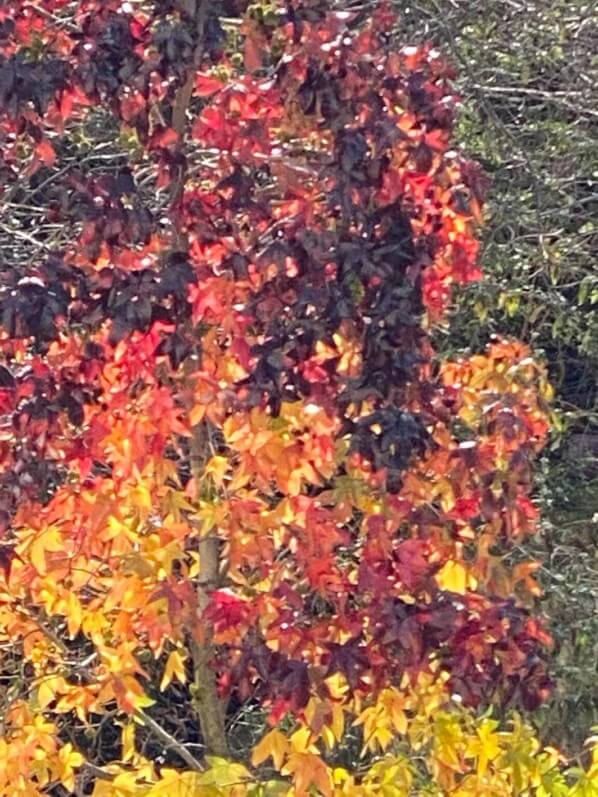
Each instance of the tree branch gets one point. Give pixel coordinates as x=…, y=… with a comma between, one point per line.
x=169, y=741
x=197, y=9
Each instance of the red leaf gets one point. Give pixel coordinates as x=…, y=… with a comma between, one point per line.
x=45, y=152
x=132, y=105
x=205, y=85
x=163, y=138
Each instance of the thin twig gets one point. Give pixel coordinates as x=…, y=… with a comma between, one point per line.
x=25, y=237
x=555, y=97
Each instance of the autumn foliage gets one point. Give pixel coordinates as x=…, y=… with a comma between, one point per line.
x=234, y=475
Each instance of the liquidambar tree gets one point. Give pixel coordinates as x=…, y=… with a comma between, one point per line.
x=256, y=538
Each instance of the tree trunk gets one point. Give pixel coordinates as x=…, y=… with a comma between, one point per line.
x=210, y=708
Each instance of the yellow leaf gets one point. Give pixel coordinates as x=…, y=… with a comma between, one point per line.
x=125, y=784
x=274, y=745
x=302, y=742
x=49, y=540
x=137, y=564
x=70, y=760
x=141, y=497
x=448, y=741
x=128, y=742
x=74, y=616
x=338, y=721
x=131, y=783
x=391, y=776
x=307, y=770
x=328, y=737
x=337, y=686
x=178, y=784
x=216, y=468
x=223, y=772
x=454, y=577
x=48, y=688
x=485, y=745
x=175, y=668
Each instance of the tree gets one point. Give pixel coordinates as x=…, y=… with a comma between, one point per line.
x=236, y=479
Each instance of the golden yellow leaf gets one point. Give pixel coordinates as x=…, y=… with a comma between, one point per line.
x=69, y=760
x=216, y=468
x=485, y=745
x=454, y=577
x=274, y=745
x=302, y=741
x=308, y=770
x=178, y=784
x=175, y=668
x=49, y=540
x=49, y=687
x=338, y=721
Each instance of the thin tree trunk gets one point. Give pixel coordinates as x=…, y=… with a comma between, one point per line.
x=210, y=708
